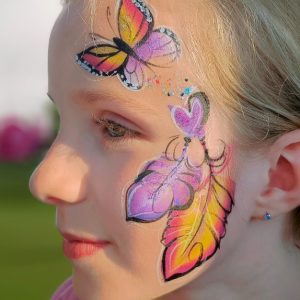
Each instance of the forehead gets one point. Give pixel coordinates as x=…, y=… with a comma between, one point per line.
x=165, y=12
x=72, y=34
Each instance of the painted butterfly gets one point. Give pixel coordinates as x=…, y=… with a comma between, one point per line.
x=138, y=46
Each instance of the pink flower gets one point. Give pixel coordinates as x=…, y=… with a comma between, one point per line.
x=18, y=139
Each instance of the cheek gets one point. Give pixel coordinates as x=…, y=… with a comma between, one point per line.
x=141, y=249
x=110, y=185
x=195, y=201
x=147, y=249
x=249, y=178
x=138, y=249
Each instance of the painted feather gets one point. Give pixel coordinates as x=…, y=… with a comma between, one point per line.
x=162, y=185
x=192, y=236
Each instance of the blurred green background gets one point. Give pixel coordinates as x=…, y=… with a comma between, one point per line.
x=32, y=264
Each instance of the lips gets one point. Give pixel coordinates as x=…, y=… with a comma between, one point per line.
x=76, y=247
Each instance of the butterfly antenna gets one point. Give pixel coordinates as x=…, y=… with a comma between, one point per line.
x=108, y=15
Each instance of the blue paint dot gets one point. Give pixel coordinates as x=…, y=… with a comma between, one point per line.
x=187, y=90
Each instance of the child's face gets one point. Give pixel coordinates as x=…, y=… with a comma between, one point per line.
x=90, y=172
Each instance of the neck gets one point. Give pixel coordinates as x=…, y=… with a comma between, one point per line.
x=264, y=266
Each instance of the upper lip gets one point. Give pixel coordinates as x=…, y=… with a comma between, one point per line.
x=74, y=238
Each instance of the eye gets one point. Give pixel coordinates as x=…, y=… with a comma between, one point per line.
x=114, y=131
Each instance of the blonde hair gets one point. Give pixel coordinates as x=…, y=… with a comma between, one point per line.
x=250, y=59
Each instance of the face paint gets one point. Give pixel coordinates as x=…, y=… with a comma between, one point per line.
x=191, y=121
x=164, y=183
x=170, y=87
x=196, y=199
x=137, y=48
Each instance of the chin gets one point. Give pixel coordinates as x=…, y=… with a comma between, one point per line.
x=106, y=285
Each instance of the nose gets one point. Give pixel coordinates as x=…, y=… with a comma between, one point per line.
x=61, y=177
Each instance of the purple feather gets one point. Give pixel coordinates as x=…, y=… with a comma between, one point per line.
x=161, y=186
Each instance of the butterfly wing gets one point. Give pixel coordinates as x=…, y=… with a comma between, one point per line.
x=132, y=74
x=135, y=22
x=103, y=58
x=161, y=47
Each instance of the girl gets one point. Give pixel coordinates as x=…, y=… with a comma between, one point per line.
x=175, y=172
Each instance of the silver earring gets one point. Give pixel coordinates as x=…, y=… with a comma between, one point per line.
x=267, y=216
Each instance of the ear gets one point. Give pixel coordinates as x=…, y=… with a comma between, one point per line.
x=282, y=191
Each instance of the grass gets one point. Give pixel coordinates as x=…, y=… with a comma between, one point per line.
x=32, y=264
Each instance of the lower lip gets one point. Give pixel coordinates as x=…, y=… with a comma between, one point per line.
x=77, y=250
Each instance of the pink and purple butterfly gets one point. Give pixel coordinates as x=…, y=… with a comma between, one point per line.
x=138, y=46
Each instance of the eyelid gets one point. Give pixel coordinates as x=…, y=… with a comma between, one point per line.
x=134, y=124
x=117, y=119
x=104, y=120
x=113, y=143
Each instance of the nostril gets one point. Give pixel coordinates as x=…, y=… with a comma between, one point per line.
x=54, y=200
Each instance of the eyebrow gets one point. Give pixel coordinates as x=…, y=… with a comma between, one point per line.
x=131, y=103
x=92, y=97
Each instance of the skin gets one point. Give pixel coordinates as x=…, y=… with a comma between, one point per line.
x=85, y=175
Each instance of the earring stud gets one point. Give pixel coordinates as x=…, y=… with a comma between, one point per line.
x=267, y=216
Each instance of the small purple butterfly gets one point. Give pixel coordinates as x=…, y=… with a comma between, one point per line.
x=191, y=121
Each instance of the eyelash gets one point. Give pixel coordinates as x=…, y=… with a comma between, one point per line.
x=105, y=124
